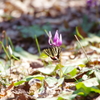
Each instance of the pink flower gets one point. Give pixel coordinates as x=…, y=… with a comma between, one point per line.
x=57, y=41
x=92, y=3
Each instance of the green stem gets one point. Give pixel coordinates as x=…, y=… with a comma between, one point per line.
x=76, y=80
x=11, y=43
x=14, y=57
x=60, y=62
x=37, y=43
x=48, y=36
x=46, y=33
x=5, y=50
x=60, y=70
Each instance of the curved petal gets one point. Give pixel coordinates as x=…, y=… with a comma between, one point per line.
x=50, y=38
x=56, y=37
x=57, y=41
x=60, y=38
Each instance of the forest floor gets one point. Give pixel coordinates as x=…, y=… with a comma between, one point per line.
x=27, y=73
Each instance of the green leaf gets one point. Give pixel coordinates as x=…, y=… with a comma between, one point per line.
x=77, y=32
x=19, y=52
x=34, y=30
x=48, y=69
x=84, y=91
x=60, y=98
x=82, y=65
x=97, y=74
x=60, y=81
x=66, y=96
x=28, y=78
x=51, y=81
x=67, y=69
x=59, y=66
x=91, y=82
x=73, y=72
x=43, y=55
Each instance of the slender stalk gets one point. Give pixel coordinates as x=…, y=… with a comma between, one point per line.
x=5, y=50
x=12, y=46
x=48, y=36
x=37, y=43
x=60, y=62
x=5, y=37
x=76, y=80
x=81, y=47
x=61, y=72
x=6, y=42
x=46, y=33
x=14, y=57
x=78, y=34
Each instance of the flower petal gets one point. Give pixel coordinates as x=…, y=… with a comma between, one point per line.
x=56, y=37
x=57, y=41
x=92, y=3
x=50, y=38
x=60, y=38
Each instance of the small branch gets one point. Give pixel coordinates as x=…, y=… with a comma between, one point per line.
x=81, y=47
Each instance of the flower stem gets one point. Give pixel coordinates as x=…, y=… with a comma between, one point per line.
x=37, y=43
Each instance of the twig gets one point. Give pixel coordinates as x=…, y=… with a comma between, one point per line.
x=81, y=47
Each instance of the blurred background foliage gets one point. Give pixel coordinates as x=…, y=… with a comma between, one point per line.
x=24, y=19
